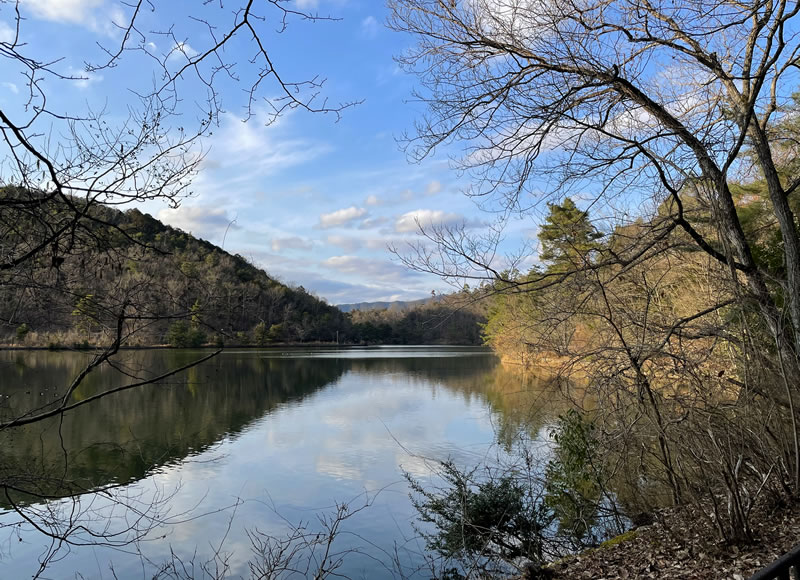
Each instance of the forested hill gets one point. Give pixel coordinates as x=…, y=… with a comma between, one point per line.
x=177, y=289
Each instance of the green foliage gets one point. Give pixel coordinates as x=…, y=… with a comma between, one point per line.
x=183, y=335
x=260, y=333
x=196, y=310
x=276, y=333
x=490, y=522
x=22, y=332
x=510, y=325
x=188, y=269
x=519, y=325
x=567, y=235
x=760, y=228
x=573, y=478
x=85, y=313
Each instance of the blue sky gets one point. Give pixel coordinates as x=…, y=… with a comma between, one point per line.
x=312, y=200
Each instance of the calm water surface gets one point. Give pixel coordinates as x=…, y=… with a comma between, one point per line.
x=253, y=439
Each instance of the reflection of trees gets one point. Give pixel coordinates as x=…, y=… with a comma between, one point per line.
x=120, y=439
x=124, y=438
x=519, y=398
x=427, y=368
x=529, y=400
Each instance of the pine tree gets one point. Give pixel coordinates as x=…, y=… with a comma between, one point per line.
x=567, y=236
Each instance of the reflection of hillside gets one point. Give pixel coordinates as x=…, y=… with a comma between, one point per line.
x=530, y=401
x=428, y=368
x=122, y=437
x=520, y=399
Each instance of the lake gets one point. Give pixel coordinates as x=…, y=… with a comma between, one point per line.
x=252, y=440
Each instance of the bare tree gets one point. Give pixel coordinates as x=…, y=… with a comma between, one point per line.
x=61, y=168
x=616, y=99
x=649, y=110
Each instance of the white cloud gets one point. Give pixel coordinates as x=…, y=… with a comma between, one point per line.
x=375, y=269
x=373, y=200
x=372, y=223
x=7, y=33
x=341, y=217
x=383, y=243
x=72, y=11
x=96, y=15
x=307, y=4
x=182, y=51
x=347, y=243
x=433, y=187
x=411, y=221
x=200, y=220
x=291, y=243
x=370, y=27
x=84, y=79
x=11, y=87
x=257, y=149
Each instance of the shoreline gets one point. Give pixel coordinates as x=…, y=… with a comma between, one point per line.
x=90, y=348
x=169, y=347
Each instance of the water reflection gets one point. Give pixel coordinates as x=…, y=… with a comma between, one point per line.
x=298, y=429
x=122, y=437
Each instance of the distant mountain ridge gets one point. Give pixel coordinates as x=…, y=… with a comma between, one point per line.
x=394, y=306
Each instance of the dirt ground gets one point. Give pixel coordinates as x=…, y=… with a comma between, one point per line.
x=676, y=546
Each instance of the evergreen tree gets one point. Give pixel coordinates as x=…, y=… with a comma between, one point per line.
x=567, y=236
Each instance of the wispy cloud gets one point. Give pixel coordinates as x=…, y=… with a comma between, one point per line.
x=374, y=268
x=370, y=27
x=83, y=79
x=425, y=218
x=182, y=51
x=372, y=223
x=96, y=15
x=259, y=149
x=72, y=11
x=341, y=217
x=433, y=187
x=7, y=33
x=347, y=243
x=203, y=221
x=290, y=243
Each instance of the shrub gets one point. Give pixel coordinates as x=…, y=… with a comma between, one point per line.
x=260, y=334
x=276, y=333
x=489, y=520
x=22, y=332
x=183, y=335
